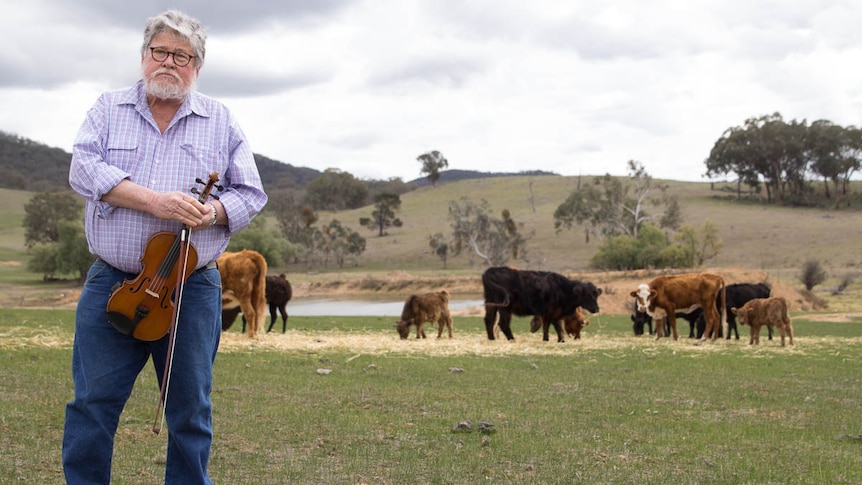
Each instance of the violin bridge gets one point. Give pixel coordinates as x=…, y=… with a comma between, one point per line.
x=151, y=293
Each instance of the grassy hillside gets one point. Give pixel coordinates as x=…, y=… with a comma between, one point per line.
x=755, y=236
x=773, y=239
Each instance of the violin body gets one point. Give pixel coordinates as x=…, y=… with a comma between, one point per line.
x=143, y=307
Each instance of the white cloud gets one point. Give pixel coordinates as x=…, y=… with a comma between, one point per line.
x=367, y=86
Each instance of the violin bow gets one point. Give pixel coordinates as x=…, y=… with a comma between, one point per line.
x=185, y=245
x=159, y=420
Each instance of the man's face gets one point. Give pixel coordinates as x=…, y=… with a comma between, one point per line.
x=165, y=79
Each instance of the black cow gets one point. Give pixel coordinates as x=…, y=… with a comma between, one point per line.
x=737, y=295
x=278, y=293
x=544, y=294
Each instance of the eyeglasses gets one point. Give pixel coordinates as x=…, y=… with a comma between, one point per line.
x=180, y=59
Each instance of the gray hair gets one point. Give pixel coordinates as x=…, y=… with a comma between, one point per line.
x=180, y=24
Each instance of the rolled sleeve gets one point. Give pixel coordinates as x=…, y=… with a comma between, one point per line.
x=89, y=174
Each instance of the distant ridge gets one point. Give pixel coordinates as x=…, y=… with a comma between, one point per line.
x=33, y=166
x=457, y=175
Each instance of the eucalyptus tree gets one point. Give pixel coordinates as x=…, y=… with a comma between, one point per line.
x=432, y=163
x=613, y=206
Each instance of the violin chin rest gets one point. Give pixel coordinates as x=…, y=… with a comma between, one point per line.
x=122, y=323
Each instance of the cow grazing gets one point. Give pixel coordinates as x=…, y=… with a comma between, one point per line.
x=543, y=294
x=278, y=294
x=737, y=295
x=665, y=295
x=765, y=311
x=428, y=307
x=243, y=280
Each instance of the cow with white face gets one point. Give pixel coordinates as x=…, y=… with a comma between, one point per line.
x=665, y=296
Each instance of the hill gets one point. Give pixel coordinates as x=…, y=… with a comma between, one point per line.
x=29, y=165
x=760, y=242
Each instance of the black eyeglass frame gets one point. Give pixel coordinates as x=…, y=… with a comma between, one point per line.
x=169, y=53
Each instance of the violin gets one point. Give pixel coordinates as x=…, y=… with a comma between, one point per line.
x=144, y=307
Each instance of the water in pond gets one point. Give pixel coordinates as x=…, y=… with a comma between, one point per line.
x=360, y=308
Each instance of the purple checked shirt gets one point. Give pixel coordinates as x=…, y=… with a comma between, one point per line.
x=119, y=139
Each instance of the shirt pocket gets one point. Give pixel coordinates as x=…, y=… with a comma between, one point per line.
x=205, y=160
x=123, y=153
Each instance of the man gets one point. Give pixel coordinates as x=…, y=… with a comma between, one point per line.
x=135, y=160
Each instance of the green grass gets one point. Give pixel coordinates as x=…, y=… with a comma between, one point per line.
x=610, y=408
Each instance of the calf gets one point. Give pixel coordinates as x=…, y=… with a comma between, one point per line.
x=737, y=295
x=243, y=279
x=664, y=295
x=573, y=324
x=429, y=307
x=765, y=311
x=278, y=293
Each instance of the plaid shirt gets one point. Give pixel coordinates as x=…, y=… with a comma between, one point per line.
x=119, y=140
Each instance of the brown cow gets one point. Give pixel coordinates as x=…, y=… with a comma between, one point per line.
x=765, y=311
x=666, y=295
x=428, y=307
x=243, y=282
x=573, y=324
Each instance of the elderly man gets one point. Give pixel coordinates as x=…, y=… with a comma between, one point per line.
x=135, y=159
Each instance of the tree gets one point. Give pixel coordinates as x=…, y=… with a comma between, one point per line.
x=812, y=274
x=274, y=248
x=341, y=241
x=385, y=205
x=766, y=147
x=612, y=206
x=70, y=254
x=432, y=163
x=696, y=245
x=336, y=190
x=439, y=247
x=494, y=240
x=43, y=214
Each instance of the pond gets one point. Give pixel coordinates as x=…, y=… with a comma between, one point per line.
x=360, y=308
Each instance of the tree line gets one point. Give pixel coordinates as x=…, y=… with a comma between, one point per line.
x=784, y=157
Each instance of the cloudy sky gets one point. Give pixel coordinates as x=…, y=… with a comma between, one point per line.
x=366, y=86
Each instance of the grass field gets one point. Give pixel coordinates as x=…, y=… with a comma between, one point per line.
x=609, y=408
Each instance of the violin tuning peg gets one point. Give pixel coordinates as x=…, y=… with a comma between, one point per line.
x=195, y=191
x=219, y=187
x=198, y=180
x=213, y=196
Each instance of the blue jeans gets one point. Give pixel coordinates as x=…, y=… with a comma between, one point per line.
x=106, y=363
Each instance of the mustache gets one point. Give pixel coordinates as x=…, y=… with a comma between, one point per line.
x=164, y=70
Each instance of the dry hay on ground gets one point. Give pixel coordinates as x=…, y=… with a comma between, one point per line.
x=525, y=345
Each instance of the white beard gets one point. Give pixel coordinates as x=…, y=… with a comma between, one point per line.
x=164, y=89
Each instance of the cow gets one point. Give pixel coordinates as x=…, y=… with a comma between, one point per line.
x=573, y=324
x=642, y=319
x=765, y=311
x=428, y=307
x=738, y=294
x=243, y=280
x=543, y=294
x=667, y=294
x=278, y=294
